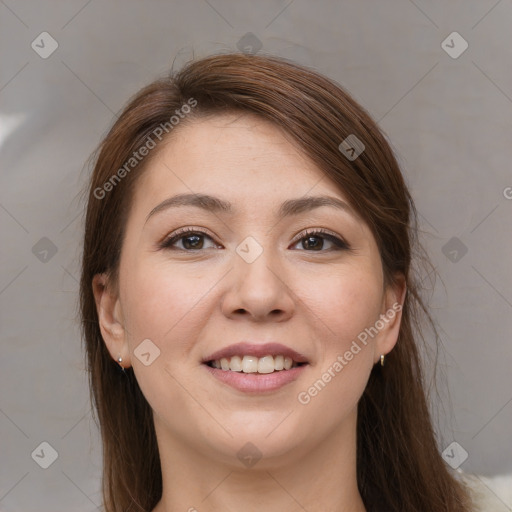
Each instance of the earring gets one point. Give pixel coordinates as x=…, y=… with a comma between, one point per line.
x=382, y=359
x=120, y=359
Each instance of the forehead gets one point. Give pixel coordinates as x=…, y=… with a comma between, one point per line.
x=244, y=141
x=242, y=156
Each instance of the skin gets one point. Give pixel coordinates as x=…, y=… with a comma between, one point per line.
x=190, y=304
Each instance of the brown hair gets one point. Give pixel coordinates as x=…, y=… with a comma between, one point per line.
x=399, y=466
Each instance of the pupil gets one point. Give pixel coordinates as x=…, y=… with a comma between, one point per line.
x=197, y=239
x=312, y=245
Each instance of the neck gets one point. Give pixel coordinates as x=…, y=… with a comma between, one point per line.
x=323, y=479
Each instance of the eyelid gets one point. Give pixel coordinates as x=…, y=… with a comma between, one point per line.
x=315, y=231
x=181, y=232
x=334, y=238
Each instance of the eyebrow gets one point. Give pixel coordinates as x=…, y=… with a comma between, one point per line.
x=214, y=204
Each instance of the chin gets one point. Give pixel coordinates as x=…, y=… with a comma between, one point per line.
x=272, y=443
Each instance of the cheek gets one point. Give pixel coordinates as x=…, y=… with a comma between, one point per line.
x=345, y=303
x=336, y=384
x=165, y=304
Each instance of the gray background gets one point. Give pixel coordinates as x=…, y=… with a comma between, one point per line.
x=448, y=119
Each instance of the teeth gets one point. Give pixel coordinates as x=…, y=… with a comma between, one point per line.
x=252, y=364
x=279, y=363
x=266, y=364
x=235, y=365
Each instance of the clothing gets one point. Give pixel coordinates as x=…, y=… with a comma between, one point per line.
x=490, y=494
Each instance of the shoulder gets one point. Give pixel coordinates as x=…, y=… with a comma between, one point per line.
x=489, y=494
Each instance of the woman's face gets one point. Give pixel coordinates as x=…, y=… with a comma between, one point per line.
x=251, y=274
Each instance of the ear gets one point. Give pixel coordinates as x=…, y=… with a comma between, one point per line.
x=110, y=319
x=391, y=316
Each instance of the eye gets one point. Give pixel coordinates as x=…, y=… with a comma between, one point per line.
x=314, y=241
x=191, y=238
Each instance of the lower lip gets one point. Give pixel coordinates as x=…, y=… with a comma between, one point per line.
x=256, y=382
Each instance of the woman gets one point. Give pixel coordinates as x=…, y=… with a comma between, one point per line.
x=250, y=313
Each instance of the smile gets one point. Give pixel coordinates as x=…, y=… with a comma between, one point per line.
x=253, y=364
x=255, y=382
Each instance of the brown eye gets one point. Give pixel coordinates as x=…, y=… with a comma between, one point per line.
x=315, y=241
x=190, y=240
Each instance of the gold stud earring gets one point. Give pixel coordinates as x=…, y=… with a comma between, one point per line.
x=382, y=359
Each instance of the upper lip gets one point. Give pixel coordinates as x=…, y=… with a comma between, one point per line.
x=257, y=350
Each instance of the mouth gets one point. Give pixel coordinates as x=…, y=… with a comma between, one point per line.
x=256, y=368
x=252, y=364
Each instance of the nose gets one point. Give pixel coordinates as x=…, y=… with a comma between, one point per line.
x=258, y=291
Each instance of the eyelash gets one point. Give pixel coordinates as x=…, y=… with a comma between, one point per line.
x=339, y=243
